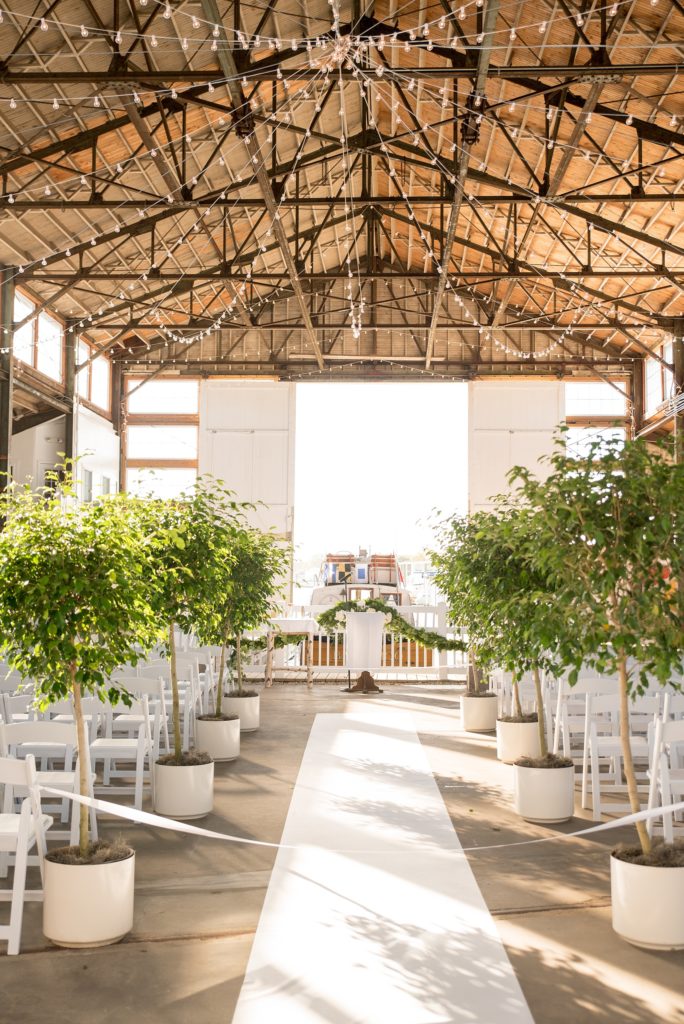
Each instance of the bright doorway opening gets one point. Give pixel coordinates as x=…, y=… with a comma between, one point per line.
x=372, y=464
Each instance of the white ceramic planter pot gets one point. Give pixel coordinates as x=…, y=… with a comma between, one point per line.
x=220, y=739
x=517, y=739
x=545, y=795
x=184, y=791
x=247, y=709
x=478, y=714
x=88, y=904
x=648, y=904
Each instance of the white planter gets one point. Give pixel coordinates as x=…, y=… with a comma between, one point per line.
x=184, y=791
x=545, y=795
x=220, y=739
x=88, y=904
x=648, y=904
x=478, y=714
x=247, y=708
x=517, y=739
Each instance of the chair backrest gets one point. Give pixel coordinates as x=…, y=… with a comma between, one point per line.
x=14, y=734
x=16, y=773
x=155, y=669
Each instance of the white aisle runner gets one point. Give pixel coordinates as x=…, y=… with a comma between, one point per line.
x=376, y=917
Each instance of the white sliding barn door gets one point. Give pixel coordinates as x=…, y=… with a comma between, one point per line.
x=247, y=439
x=509, y=424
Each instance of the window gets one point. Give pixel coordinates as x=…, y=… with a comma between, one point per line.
x=595, y=399
x=23, y=338
x=164, y=397
x=87, y=485
x=100, y=383
x=160, y=483
x=105, y=485
x=578, y=439
x=94, y=381
x=161, y=441
x=658, y=380
x=40, y=342
x=49, y=347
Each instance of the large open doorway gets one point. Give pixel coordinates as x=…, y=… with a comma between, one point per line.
x=372, y=463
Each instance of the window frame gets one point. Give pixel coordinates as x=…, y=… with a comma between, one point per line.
x=137, y=419
x=38, y=311
x=85, y=396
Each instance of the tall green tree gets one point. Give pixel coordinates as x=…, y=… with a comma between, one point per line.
x=610, y=533
x=247, y=596
x=508, y=606
x=77, y=588
x=194, y=539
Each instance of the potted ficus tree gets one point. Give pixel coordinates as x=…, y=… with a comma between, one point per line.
x=607, y=523
x=530, y=623
x=256, y=580
x=472, y=565
x=192, y=537
x=75, y=589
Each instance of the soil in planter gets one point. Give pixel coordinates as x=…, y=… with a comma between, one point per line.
x=517, y=719
x=217, y=718
x=245, y=693
x=483, y=693
x=549, y=761
x=663, y=855
x=188, y=759
x=101, y=852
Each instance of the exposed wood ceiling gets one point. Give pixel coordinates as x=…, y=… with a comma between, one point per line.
x=202, y=190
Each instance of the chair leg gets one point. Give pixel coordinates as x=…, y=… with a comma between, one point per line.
x=18, y=887
x=595, y=784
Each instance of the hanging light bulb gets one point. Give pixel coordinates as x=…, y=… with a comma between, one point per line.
x=195, y=23
x=167, y=11
x=43, y=25
x=10, y=198
x=13, y=103
x=153, y=40
x=542, y=27
x=84, y=32
x=55, y=104
x=96, y=101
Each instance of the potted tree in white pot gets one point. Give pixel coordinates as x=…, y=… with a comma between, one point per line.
x=473, y=573
x=256, y=581
x=531, y=623
x=610, y=529
x=192, y=537
x=459, y=546
x=75, y=586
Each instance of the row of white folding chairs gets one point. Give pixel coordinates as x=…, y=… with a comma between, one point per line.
x=20, y=832
x=667, y=765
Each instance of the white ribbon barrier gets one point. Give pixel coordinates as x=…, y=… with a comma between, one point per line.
x=157, y=821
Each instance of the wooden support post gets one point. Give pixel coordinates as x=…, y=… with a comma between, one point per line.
x=678, y=380
x=6, y=371
x=71, y=418
x=308, y=655
x=636, y=398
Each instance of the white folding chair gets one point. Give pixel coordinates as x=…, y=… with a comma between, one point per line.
x=137, y=752
x=667, y=770
x=603, y=746
x=140, y=686
x=19, y=833
x=50, y=741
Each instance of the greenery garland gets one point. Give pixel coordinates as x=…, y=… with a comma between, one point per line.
x=260, y=643
x=396, y=624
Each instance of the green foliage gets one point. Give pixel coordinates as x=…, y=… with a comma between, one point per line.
x=396, y=623
x=193, y=541
x=609, y=535
x=76, y=589
x=247, y=593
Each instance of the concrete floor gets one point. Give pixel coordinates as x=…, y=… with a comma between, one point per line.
x=198, y=901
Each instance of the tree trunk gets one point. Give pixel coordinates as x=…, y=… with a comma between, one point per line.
x=83, y=762
x=540, y=712
x=177, y=742
x=222, y=668
x=630, y=776
x=474, y=675
x=517, y=706
x=238, y=658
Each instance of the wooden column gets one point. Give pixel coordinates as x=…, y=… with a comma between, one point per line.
x=70, y=426
x=636, y=398
x=6, y=370
x=119, y=413
x=678, y=360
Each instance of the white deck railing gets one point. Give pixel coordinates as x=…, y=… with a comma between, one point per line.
x=401, y=657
